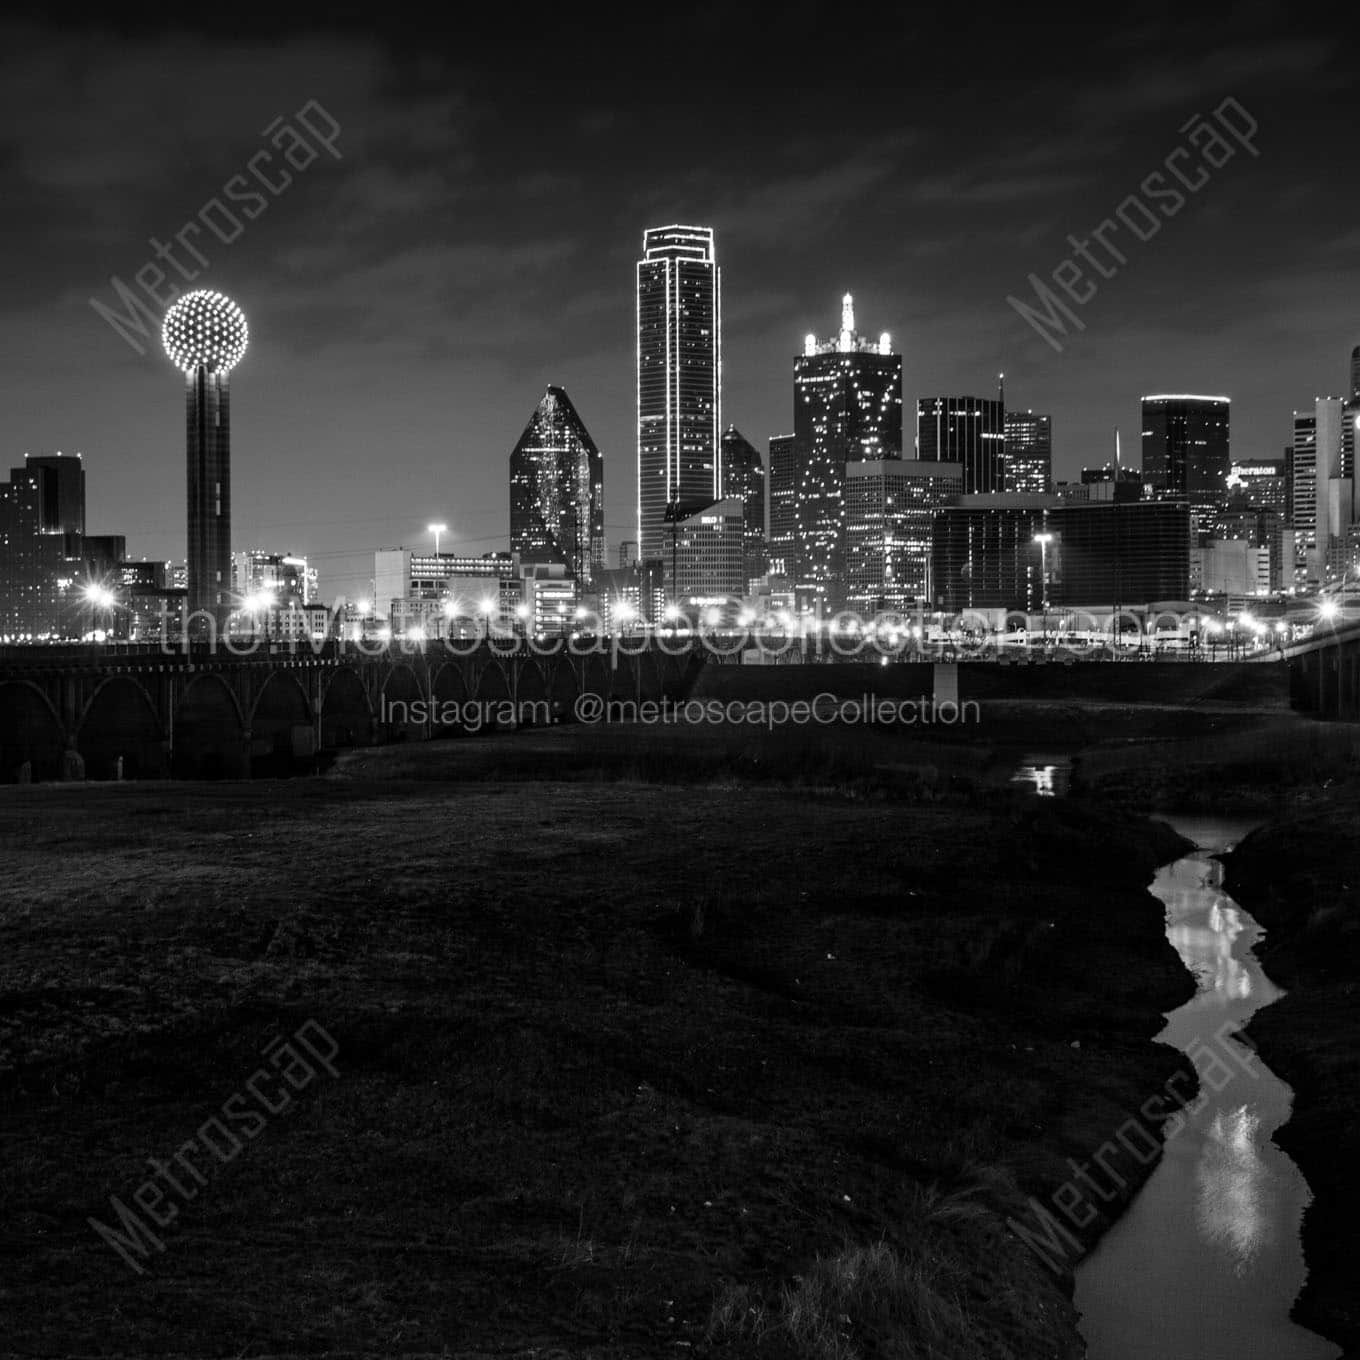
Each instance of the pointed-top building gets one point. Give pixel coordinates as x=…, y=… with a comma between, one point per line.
x=557, y=490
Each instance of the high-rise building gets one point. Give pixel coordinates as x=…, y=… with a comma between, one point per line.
x=1303, y=466
x=440, y=592
x=205, y=336
x=1259, y=482
x=1185, y=448
x=62, y=490
x=557, y=490
x=743, y=473
x=40, y=552
x=1029, y=452
x=1119, y=552
x=970, y=431
x=679, y=380
x=847, y=407
x=890, y=506
x=1111, y=483
x=984, y=554
x=709, y=558
x=783, y=484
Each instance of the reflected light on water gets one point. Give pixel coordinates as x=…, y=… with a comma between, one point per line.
x=1043, y=777
x=1232, y=1210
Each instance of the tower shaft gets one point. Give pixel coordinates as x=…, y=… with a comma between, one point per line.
x=208, y=421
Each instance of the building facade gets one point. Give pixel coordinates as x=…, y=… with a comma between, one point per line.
x=42, y=514
x=890, y=507
x=1186, y=448
x=709, y=558
x=970, y=431
x=847, y=407
x=557, y=490
x=743, y=476
x=783, y=495
x=679, y=379
x=1029, y=453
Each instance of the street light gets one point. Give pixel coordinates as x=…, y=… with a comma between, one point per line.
x=1043, y=540
x=436, y=530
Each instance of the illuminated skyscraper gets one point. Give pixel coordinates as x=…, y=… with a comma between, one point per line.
x=783, y=483
x=679, y=380
x=743, y=475
x=1185, y=448
x=1029, y=452
x=205, y=336
x=847, y=407
x=970, y=431
x=557, y=490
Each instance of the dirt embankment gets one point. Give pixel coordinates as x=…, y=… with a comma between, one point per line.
x=1300, y=877
x=769, y=1071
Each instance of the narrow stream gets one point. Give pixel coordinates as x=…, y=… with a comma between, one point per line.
x=1206, y=1262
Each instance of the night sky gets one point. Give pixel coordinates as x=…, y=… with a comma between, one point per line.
x=475, y=241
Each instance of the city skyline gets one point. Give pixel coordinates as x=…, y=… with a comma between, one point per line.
x=399, y=337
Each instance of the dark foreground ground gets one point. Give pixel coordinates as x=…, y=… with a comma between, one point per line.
x=738, y=1049
x=1300, y=877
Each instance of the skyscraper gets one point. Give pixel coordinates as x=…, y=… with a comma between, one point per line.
x=1303, y=469
x=557, y=490
x=42, y=511
x=743, y=476
x=205, y=336
x=1185, y=448
x=970, y=431
x=1029, y=452
x=679, y=380
x=783, y=484
x=847, y=406
x=890, y=506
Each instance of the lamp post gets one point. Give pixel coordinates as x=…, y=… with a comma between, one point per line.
x=436, y=530
x=1043, y=540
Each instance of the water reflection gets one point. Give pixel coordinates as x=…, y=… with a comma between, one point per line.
x=1047, y=776
x=1206, y=1262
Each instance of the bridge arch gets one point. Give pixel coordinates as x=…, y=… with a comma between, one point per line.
x=209, y=731
x=120, y=733
x=280, y=724
x=346, y=714
x=401, y=711
x=31, y=734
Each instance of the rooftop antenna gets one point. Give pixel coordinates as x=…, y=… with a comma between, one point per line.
x=1001, y=388
x=1116, y=447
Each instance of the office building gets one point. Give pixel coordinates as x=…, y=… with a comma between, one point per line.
x=1260, y=482
x=679, y=379
x=205, y=337
x=441, y=593
x=1111, y=483
x=1185, y=448
x=984, y=553
x=970, y=431
x=42, y=510
x=783, y=494
x=847, y=407
x=890, y=506
x=988, y=553
x=282, y=578
x=743, y=475
x=1119, y=552
x=557, y=490
x=709, y=558
x=1029, y=452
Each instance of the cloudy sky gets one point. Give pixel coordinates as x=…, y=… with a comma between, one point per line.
x=475, y=238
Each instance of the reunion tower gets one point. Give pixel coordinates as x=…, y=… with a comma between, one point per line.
x=205, y=336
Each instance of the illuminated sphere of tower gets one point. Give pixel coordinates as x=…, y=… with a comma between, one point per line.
x=204, y=329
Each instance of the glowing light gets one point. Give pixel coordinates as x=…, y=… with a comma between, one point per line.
x=624, y=612
x=488, y=605
x=258, y=603
x=205, y=329
x=96, y=595
x=1328, y=609
x=885, y=343
x=415, y=634
x=365, y=606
